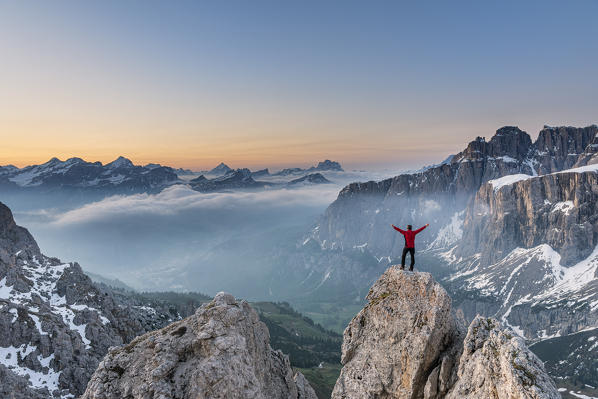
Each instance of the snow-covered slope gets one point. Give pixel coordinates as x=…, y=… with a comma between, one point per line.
x=56, y=324
x=75, y=173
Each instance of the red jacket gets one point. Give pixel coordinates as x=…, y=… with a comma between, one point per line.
x=409, y=235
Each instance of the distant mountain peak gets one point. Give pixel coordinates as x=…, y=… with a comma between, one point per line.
x=52, y=161
x=312, y=178
x=152, y=166
x=261, y=173
x=329, y=165
x=221, y=169
x=120, y=162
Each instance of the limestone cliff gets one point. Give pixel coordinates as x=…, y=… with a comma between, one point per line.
x=222, y=351
x=407, y=343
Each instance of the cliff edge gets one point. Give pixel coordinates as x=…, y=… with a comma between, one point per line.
x=407, y=343
x=222, y=351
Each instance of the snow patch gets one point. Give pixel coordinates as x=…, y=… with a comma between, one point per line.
x=449, y=234
x=582, y=396
x=582, y=169
x=564, y=207
x=38, y=379
x=497, y=184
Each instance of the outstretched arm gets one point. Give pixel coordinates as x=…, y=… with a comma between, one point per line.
x=421, y=228
x=397, y=229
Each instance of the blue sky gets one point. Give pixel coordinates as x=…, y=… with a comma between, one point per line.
x=372, y=84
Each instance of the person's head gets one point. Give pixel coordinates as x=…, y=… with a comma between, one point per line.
x=409, y=227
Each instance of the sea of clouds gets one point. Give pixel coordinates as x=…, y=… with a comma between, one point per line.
x=181, y=239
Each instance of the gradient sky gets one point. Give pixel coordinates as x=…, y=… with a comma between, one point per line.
x=271, y=83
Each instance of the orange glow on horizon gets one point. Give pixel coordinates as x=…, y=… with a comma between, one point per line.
x=275, y=155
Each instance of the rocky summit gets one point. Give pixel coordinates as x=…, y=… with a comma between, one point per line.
x=222, y=351
x=513, y=235
x=408, y=343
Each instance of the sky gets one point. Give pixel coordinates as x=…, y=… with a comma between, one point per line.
x=276, y=84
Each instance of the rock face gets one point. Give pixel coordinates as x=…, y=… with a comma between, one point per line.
x=222, y=351
x=494, y=364
x=220, y=170
x=406, y=343
x=559, y=148
x=260, y=173
x=530, y=244
x=326, y=165
x=362, y=212
x=391, y=346
x=56, y=324
x=559, y=210
x=513, y=229
x=312, y=178
x=231, y=180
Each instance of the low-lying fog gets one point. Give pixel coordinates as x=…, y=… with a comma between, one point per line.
x=180, y=239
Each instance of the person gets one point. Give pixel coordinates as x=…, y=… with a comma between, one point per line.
x=409, y=235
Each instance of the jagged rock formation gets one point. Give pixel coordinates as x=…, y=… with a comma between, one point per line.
x=312, y=178
x=289, y=171
x=559, y=148
x=390, y=347
x=407, y=344
x=220, y=170
x=56, y=324
x=495, y=364
x=178, y=171
x=232, y=180
x=361, y=212
x=260, y=173
x=559, y=210
x=77, y=175
x=243, y=179
x=514, y=229
x=222, y=351
x=529, y=243
x=326, y=165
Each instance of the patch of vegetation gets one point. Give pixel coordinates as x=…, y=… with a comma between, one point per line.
x=334, y=316
x=322, y=379
x=184, y=303
x=294, y=322
x=530, y=378
x=571, y=360
x=308, y=344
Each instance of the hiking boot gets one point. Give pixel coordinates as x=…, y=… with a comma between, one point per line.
x=402, y=267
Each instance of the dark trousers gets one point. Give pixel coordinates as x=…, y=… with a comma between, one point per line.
x=412, y=252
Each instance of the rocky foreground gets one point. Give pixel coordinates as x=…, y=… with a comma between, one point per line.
x=407, y=343
x=222, y=351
